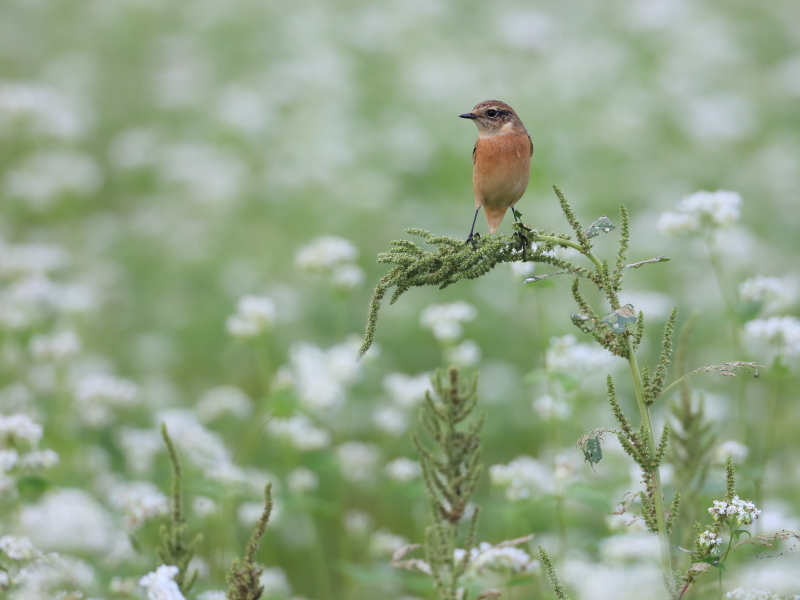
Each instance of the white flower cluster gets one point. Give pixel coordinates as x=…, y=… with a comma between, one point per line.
x=765, y=290
x=522, y=477
x=403, y=469
x=781, y=335
x=221, y=400
x=138, y=501
x=254, y=315
x=548, y=407
x=56, y=347
x=19, y=260
x=302, y=480
x=322, y=377
x=18, y=548
x=444, y=320
x=97, y=394
x=161, y=585
x=751, y=594
x=385, y=543
x=506, y=560
x=19, y=428
x=40, y=108
x=301, y=432
x=333, y=257
x=699, y=212
x=357, y=459
x=406, y=391
x=566, y=355
x=709, y=539
x=743, y=511
x=19, y=437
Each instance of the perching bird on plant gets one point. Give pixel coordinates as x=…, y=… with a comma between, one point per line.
x=502, y=159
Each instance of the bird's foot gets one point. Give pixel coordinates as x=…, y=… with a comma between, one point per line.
x=473, y=239
x=519, y=232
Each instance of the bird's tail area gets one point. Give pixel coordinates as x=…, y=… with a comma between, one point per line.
x=494, y=216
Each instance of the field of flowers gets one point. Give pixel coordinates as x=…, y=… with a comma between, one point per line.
x=192, y=197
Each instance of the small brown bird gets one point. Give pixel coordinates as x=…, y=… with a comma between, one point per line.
x=502, y=158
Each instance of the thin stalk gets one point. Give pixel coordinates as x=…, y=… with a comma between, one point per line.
x=571, y=244
x=661, y=518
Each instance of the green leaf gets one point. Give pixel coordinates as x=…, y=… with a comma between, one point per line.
x=536, y=278
x=636, y=265
x=739, y=532
x=714, y=562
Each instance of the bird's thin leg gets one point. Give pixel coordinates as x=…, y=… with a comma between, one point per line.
x=523, y=239
x=472, y=234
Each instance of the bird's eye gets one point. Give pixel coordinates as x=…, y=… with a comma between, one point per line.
x=492, y=113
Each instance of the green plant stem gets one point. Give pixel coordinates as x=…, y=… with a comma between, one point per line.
x=661, y=518
x=571, y=244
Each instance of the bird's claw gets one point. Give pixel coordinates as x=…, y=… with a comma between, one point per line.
x=473, y=239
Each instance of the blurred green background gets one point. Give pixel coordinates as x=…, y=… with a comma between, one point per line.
x=176, y=156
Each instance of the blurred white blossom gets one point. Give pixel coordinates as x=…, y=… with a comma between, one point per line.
x=19, y=427
x=275, y=582
x=254, y=315
x=301, y=432
x=741, y=593
x=547, y=407
x=566, y=355
x=221, y=400
x=44, y=177
x=209, y=174
x=391, y=420
x=444, y=320
x=700, y=212
x=333, y=257
x=18, y=548
x=465, y=354
x=357, y=459
x=17, y=260
x=504, y=559
x=97, y=394
x=139, y=447
x=406, y=391
x=160, y=584
x=41, y=108
x=302, y=480
x=322, y=377
x=138, y=501
x=772, y=292
x=383, y=543
x=57, y=346
x=134, y=148
x=403, y=469
x=357, y=522
x=778, y=336
x=522, y=478
x=733, y=448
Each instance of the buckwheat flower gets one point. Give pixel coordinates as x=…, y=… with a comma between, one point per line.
x=347, y=277
x=38, y=460
x=407, y=391
x=275, y=582
x=221, y=400
x=357, y=522
x=203, y=506
x=138, y=501
x=140, y=446
x=465, y=354
x=709, y=539
x=391, y=420
x=203, y=447
x=402, y=469
x=522, y=477
x=322, y=377
x=301, y=432
x=720, y=208
x=765, y=290
x=521, y=269
x=548, y=407
x=58, y=346
x=780, y=335
x=41, y=108
x=206, y=173
x=566, y=355
x=19, y=428
x=744, y=512
x=46, y=176
x=19, y=260
x=97, y=394
x=161, y=585
x=134, y=149
x=325, y=254
x=254, y=315
x=752, y=594
x=250, y=512
x=357, y=459
x=505, y=559
x=444, y=320
x=302, y=480
x=384, y=543
x=18, y=548
x=213, y=595
x=8, y=459
x=736, y=450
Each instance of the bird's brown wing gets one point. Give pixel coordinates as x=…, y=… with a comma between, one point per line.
x=474, y=148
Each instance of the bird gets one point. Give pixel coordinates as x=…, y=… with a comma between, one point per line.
x=502, y=161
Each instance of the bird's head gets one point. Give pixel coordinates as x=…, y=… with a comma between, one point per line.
x=494, y=118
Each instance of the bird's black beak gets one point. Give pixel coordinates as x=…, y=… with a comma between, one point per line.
x=468, y=116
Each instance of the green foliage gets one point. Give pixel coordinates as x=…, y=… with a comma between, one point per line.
x=243, y=576
x=558, y=589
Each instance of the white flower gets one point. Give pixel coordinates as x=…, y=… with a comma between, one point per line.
x=465, y=354
x=203, y=447
x=522, y=477
x=325, y=254
x=709, y=539
x=57, y=346
x=43, y=109
x=43, y=177
x=781, y=335
x=357, y=522
x=764, y=290
x=301, y=432
x=322, y=377
x=17, y=260
x=160, y=584
x=752, y=594
x=501, y=559
x=96, y=394
x=18, y=548
x=254, y=315
x=384, y=543
x=699, y=211
x=391, y=420
x=19, y=427
x=140, y=447
x=521, y=269
x=566, y=355
x=744, y=511
x=302, y=480
x=223, y=399
x=275, y=582
x=407, y=391
x=444, y=320
x=205, y=172
x=8, y=459
x=548, y=407
x=347, y=277
x=38, y=459
x=134, y=148
x=213, y=595
x=204, y=506
x=357, y=460
x=138, y=501
x=736, y=450
x=403, y=469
